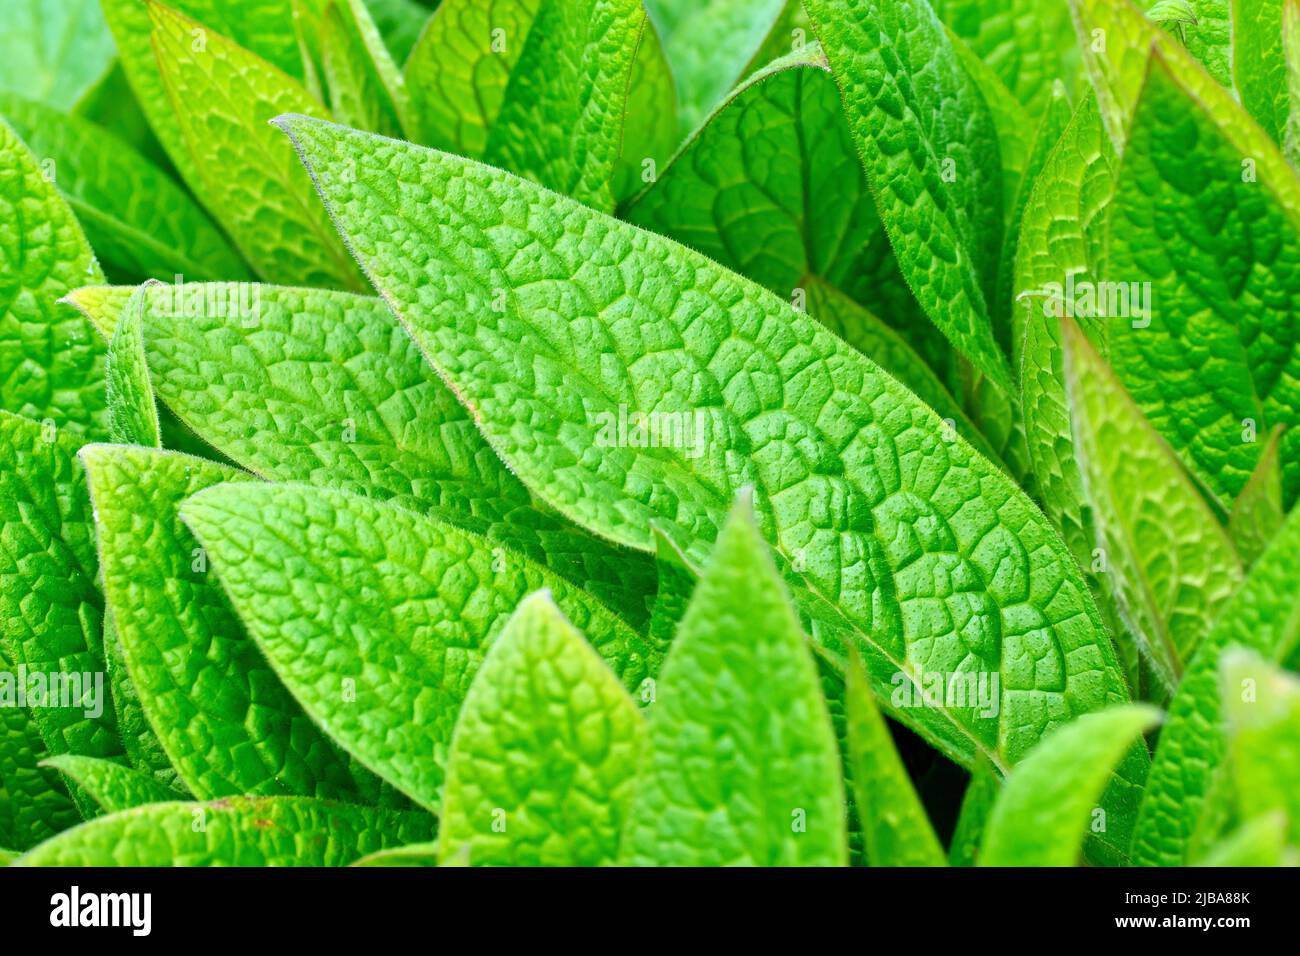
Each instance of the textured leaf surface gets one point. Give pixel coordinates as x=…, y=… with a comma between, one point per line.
x=50, y=361
x=366, y=88
x=271, y=831
x=1263, y=615
x=136, y=218
x=327, y=388
x=1257, y=513
x=896, y=830
x=561, y=118
x=1168, y=559
x=1259, y=63
x=928, y=145
x=240, y=166
x=1221, y=351
x=50, y=610
x=132, y=413
x=1049, y=802
x=741, y=767
x=1262, y=707
x=227, y=725
x=377, y=618
x=111, y=785
x=143, y=748
x=53, y=50
x=544, y=753
x=917, y=550
x=414, y=855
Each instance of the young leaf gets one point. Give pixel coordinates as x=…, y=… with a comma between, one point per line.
x=1049, y=802
x=741, y=767
x=240, y=168
x=1170, y=562
x=926, y=146
x=132, y=414
x=136, y=218
x=976, y=805
x=366, y=88
x=1257, y=513
x=53, y=366
x=896, y=830
x=649, y=118
x=1261, y=704
x=1215, y=257
x=50, y=610
x=54, y=51
x=413, y=855
x=1259, y=63
x=327, y=388
x=884, y=519
x=1263, y=615
x=240, y=831
x=225, y=722
x=111, y=785
x=377, y=618
x=562, y=114
x=544, y=753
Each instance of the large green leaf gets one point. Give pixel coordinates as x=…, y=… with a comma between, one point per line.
x=53, y=50
x=1214, y=358
x=327, y=388
x=136, y=218
x=51, y=364
x=227, y=725
x=1168, y=559
x=270, y=831
x=1264, y=615
x=741, y=766
x=377, y=618
x=1050, y=801
x=544, y=753
x=930, y=150
x=111, y=785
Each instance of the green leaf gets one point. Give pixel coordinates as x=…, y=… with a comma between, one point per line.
x=132, y=414
x=400, y=22
x=50, y=610
x=1261, y=705
x=1049, y=802
x=1213, y=357
x=712, y=46
x=270, y=831
x=896, y=830
x=1257, y=513
x=544, y=753
x=53, y=366
x=415, y=854
x=227, y=725
x=1211, y=37
x=1259, y=62
x=1263, y=615
x=677, y=579
x=54, y=50
x=143, y=748
x=136, y=218
x=1259, y=842
x=741, y=767
x=377, y=618
x=855, y=484
x=1171, y=564
x=1028, y=43
x=327, y=388
x=111, y=785
x=366, y=88
x=928, y=146
x=33, y=804
x=562, y=113
x=649, y=118
x=7, y=856
x=976, y=805
x=240, y=168
x=1291, y=48
x=1060, y=242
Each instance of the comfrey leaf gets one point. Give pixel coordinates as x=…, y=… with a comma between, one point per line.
x=111, y=785
x=930, y=151
x=225, y=722
x=54, y=51
x=1264, y=615
x=1262, y=707
x=412, y=855
x=1259, y=63
x=741, y=766
x=366, y=89
x=143, y=748
x=132, y=414
x=544, y=753
x=1259, y=842
x=1050, y=801
x=655, y=385
x=976, y=806
x=377, y=619
x=1257, y=513
x=241, y=831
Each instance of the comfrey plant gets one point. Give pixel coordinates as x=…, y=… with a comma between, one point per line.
x=709, y=432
